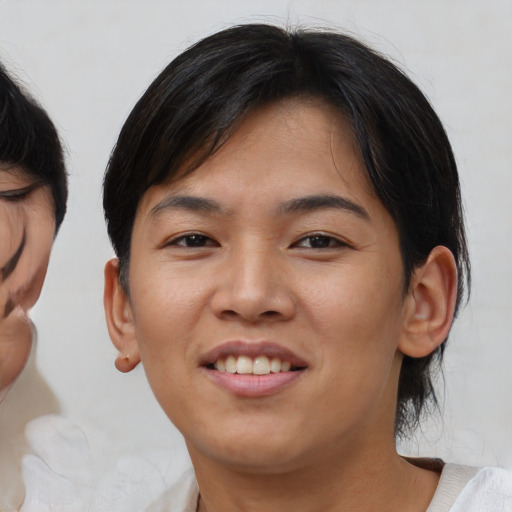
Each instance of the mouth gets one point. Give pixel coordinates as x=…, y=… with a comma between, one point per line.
x=245, y=365
x=253, y=369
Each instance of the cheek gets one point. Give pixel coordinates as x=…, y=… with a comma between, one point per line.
x=34, y=262
x=167, y=306
x=12, y=225
x=357, y=316
x=357, y=327
x=356, y=297
x=166, y=311
x=15, y=343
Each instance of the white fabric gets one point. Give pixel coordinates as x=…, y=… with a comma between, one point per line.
x=489, y=490
x=72, y=469
x=454, y=478
x=181, y=497
x=30, y=397
x=460, y=489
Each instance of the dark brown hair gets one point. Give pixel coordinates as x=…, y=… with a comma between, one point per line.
x=29, y=140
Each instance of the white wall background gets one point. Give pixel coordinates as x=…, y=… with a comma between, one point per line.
x=88, y=62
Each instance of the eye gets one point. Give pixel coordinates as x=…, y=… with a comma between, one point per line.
x=319, y=241
x=17, y=194
x=193, y=240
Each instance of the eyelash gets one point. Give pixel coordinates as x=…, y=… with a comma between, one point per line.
x=199, y=237
x=199, y=240
x=332, y=242
x=15, y=195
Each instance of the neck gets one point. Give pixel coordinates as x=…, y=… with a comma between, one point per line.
x=381, y=481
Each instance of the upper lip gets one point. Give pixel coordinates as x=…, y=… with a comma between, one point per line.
x=251, y=349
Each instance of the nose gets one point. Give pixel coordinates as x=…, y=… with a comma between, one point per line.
x=253, y=288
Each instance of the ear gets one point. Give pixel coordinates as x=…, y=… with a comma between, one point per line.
x=119, y=316
x=430, y=304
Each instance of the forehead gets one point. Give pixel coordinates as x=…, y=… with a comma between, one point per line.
x=305, y=141
x=13, y=175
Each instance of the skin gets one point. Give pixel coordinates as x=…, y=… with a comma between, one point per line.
x=261, y=272
x=27, y=229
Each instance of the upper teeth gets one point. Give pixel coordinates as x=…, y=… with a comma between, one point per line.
x=260, y=365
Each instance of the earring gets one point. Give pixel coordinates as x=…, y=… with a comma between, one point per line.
x=124, y=364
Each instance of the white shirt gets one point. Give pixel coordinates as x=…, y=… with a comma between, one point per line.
x=466, y=489
x=460, y=489
x=181, y=497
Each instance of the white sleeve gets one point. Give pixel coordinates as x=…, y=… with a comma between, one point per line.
x=490, y=490
x=73, y=469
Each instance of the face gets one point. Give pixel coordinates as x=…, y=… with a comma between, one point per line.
x=267, y=295
x=27, y=228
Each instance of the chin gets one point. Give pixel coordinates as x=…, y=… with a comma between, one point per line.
x=251, y=449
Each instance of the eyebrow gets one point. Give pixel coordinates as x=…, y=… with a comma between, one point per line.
x=322, y=202
x=190, y=203
x=296, y=205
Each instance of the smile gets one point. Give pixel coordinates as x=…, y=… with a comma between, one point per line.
x=252, y=369
x=260, y=365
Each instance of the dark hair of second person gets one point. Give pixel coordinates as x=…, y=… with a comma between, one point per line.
x=29, y=141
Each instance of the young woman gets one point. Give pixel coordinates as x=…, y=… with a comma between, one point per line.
x=286, y=213
x=33, y=193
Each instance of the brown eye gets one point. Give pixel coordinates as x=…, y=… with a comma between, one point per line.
x=193, y=240
x=319, y=242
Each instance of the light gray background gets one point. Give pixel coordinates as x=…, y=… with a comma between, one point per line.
x=88, y=62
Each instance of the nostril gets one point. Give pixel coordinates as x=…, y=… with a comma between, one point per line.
x=229, y=313
x=270, y=314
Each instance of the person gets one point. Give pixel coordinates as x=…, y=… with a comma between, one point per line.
x=33, y=194
x=47, y=460
x=286, y=214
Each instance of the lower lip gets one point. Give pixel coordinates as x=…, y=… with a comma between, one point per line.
x=253, y=385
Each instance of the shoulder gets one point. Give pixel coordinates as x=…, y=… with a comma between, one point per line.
x=489, y=490
x=181, y=497
x=468, y=489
